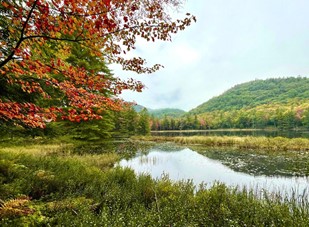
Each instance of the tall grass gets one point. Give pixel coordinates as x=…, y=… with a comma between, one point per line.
x=249, y=142
x=62, y=189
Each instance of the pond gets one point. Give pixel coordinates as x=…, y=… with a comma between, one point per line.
x=248, y=132
x=184, y=164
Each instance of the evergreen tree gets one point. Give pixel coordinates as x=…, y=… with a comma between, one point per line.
x=91, y=130
x=196, y=124
x=166, y=123
x=173, y=124
x=143, y=123
x=132, y=119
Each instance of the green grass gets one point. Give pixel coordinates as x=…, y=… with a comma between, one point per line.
x=249, y=142
x=52, y=185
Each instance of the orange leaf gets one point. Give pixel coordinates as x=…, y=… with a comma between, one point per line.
x=5, y=4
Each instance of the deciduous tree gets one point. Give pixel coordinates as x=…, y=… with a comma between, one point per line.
x=37, y=41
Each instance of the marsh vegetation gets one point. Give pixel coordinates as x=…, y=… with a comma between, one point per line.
x=273, y=144
x=63, y=185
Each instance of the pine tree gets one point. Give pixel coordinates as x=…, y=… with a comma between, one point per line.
x=143, y=123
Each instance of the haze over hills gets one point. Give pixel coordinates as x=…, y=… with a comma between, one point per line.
x=139, y=108
x=161, y=113
x=258, y=92
x=168, y=112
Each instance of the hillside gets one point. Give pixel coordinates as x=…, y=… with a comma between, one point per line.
x=139, y=108
x=168, y=112
x=161, y=113
x=256, y=93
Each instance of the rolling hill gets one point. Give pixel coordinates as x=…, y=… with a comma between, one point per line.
x=256, y=93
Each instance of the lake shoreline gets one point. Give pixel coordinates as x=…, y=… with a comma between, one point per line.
x=49, y=184
x=258, y=132
x=249, y=142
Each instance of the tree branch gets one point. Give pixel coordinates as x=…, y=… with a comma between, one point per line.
x=21, y=39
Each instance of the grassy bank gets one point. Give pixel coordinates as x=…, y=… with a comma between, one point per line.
x=249, y=142
x=50, y=185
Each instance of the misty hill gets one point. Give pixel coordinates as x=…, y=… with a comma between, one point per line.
x=258, y=92
x=139, y=108
x=161, y=113
x=168, y=112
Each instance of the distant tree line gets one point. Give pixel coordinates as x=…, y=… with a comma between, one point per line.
x=265, y=116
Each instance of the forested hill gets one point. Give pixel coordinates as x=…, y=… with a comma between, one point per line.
x=139, y=108
x=166, y=112
x=161, y=113
x=258, y=92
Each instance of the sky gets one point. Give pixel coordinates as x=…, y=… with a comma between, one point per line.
x=233, y=41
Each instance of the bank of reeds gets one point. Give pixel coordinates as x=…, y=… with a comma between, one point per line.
x=248, y=142
x=62, y=189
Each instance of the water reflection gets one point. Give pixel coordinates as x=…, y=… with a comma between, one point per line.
x=267, y=133
x=186, y=164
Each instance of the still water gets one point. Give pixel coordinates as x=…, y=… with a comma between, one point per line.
x=184, y=164
x=267, y=133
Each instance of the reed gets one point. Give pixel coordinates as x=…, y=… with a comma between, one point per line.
x=59, y=188
x=248, y=142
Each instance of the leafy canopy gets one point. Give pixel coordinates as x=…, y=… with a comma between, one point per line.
x=41, y=77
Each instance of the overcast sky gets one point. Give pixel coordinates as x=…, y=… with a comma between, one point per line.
x=233, y=41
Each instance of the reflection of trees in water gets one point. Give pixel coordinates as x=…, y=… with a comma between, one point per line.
x=267, y=133
x=168, y=147
x=127, y=147
x=148, y=160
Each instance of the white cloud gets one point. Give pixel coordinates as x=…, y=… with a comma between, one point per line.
x=232, y=42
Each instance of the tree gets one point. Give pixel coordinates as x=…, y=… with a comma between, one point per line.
x=132, y=119
x=173, y=124
x=90, y=130
x=166, y=123
x=306, y=119
x=196, y=124
x=143, y=123
x=38, y=39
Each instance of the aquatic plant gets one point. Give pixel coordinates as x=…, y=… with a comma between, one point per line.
x=248, y=142
x=71, y=190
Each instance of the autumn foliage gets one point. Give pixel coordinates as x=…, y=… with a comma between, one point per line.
x=38, y=82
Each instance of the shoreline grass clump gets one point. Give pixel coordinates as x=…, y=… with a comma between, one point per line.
x=248, y=142
x=56, y=189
